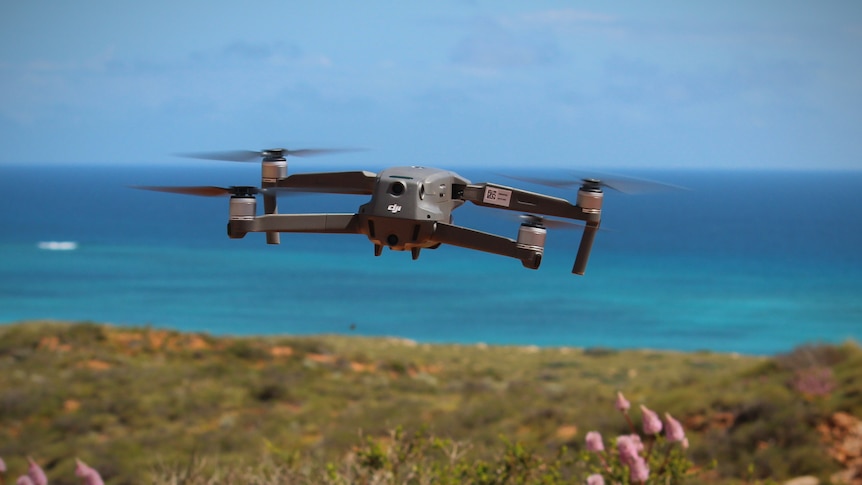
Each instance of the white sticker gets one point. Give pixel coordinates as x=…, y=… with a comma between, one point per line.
x=496, y=196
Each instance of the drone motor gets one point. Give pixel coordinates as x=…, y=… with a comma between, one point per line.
x=590, y=196
x=272, y=170
x=531, y=237
x=243, y=207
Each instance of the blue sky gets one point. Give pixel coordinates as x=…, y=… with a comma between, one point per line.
x=631, y=84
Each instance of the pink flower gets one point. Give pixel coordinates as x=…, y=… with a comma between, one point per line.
x=638, y=470
x=652, y=423
x=90, y=475
x=621, y=404
x=36, y=474
x=627, y=449
x=595, y=479
x=673, y=430
x=594, y=442
x=23, y=480
x=636, y=441
x=2, y=466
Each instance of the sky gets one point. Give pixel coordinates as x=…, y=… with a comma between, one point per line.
x=626, y=84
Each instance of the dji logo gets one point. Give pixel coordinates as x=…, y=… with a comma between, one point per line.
x=394, y=208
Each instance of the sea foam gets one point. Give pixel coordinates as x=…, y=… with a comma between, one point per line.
x=58, y=245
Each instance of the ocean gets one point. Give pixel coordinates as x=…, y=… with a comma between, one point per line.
x=745, y=261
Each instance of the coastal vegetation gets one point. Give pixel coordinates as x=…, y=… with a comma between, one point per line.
x=148, y=405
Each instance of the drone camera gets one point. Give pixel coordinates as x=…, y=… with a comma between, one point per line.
x=397, y=188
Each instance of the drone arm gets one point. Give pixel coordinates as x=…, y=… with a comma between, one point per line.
x=483, y=241
x=508, y=198
x=501, y=197
x=357, y=182
x=318, y=223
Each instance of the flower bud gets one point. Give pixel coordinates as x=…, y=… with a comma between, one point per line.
x=88, y=474
x=595, y=479
x=673, y=430
x=639, y=471
x=621, y=403
x=627, y=449
x=36, y=474
x=652, y=423
x=594, y=442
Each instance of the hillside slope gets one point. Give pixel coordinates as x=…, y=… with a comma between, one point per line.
x=143, y=404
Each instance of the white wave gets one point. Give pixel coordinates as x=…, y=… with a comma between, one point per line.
x=58, y=245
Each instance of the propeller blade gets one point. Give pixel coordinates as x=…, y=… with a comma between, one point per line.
x=637, y=186
x=227, y=156
x=556, y=183
x=549, y=223
x=558, y=224
x=284, y=191
x=212, y=191
x=626, y=185
x=255, y=155
x=203, y=191
x=313, y=152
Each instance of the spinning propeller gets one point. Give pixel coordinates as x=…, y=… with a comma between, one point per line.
x=541, y=221
x=236, y=191
x=273, y=168
x=266, y=154
x=211, y=190
x=626, y=185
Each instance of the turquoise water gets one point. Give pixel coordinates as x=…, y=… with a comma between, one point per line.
x=744, y=262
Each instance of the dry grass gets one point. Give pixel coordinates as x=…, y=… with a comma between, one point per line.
x=141, y=400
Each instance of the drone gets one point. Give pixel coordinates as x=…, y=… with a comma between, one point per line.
x=410, y=208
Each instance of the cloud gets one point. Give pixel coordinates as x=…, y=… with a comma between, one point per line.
x=494, y=46
x=566, y=17
x=264, y=53
x=112, y=84
x=773, y=81
x=527, y=39
x=252, y=51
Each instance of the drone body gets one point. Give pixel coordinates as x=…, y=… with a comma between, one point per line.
x=410, y=208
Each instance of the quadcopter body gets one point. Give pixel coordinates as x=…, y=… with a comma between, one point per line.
x=410, y=208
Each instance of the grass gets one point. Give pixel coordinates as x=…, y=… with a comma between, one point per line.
x=143, y=405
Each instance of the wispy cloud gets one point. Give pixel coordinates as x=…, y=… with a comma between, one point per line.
x=250, y=52
x=526, y=39
x=494, y=47
x=565, y=17
x=500, y=43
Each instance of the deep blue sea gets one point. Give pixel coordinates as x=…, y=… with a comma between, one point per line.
x=749, y=262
